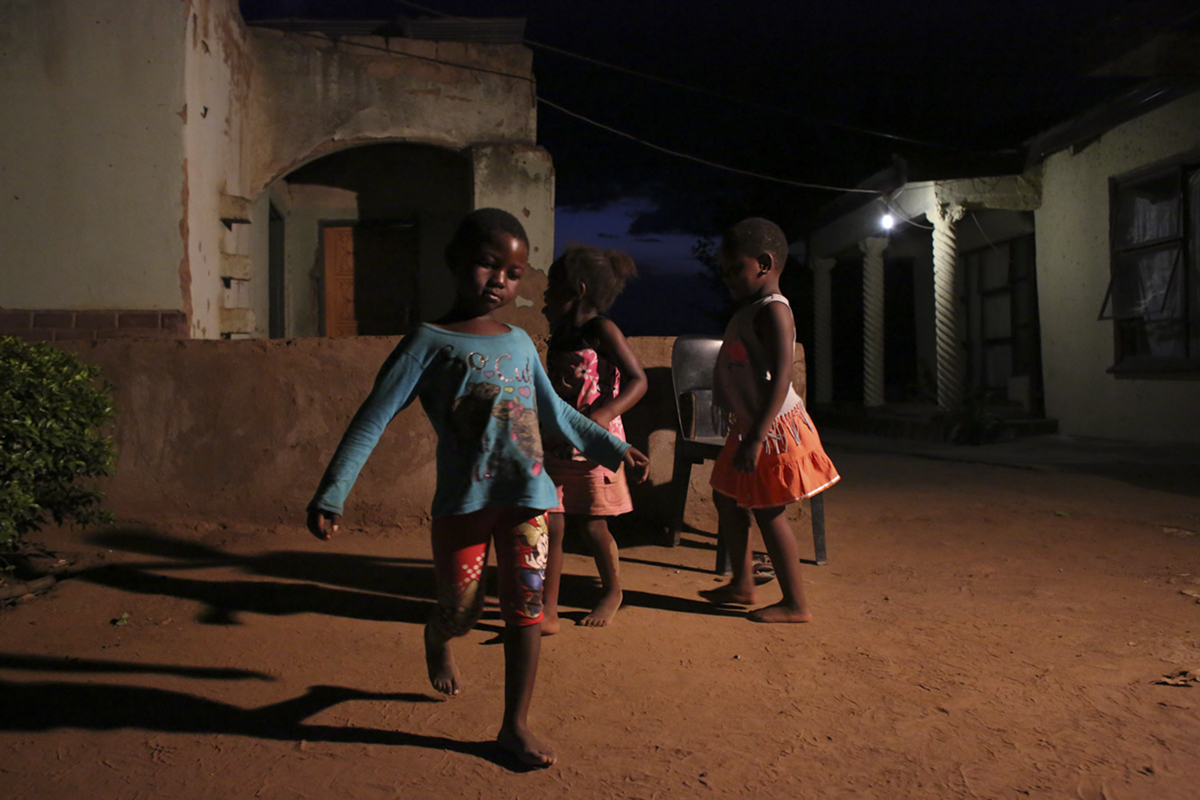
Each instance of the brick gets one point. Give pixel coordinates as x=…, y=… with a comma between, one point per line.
x=74, y=335
x=236, y=267
x=54, y=319
x=237, y=320
x=133, y=333
x=15, y=320
x=175, y=324
x=95, y=320
x=138, y=319
x=37, y=336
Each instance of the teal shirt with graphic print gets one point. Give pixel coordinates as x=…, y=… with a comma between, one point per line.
x=486, y=397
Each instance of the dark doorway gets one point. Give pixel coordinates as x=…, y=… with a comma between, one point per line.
x=386, y=277
x=846, y=288
x=899, y=332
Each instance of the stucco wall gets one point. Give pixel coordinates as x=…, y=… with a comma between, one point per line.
x=217, y=77
x=310, y=96
x=520, y=179
x=1073, y=275
x=92, y=185
x=241, y=430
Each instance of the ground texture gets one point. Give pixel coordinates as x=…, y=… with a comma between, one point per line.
x=980, y=632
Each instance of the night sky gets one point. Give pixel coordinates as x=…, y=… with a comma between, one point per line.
x=812, y=92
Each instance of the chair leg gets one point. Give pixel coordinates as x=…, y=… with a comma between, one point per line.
x=724, y=565
x=681, y=479
x=817, y=509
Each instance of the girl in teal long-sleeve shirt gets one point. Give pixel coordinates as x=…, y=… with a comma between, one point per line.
x=484, y=390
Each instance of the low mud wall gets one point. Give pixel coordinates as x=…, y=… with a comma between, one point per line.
x=239, y=431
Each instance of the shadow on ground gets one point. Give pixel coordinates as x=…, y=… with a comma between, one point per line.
x=330, y=583
x=91, y=706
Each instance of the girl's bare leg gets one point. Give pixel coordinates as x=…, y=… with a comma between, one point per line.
x=554, y=565
x=785, y=558
x=608, y=564
x=734, y=527
x=460, y=602
x=522, y=647
x=519, y=546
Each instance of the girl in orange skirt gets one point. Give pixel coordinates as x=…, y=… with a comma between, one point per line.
x=772, y=456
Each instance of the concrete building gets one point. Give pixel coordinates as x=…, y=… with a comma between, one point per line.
x=1118, y=265
x=1069, y=291
x=169, y=171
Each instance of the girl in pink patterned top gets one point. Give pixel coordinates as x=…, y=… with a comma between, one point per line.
x=593, y=368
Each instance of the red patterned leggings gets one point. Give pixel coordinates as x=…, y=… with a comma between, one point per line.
x=460, y=551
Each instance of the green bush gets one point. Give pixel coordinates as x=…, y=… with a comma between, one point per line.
x=52, y=407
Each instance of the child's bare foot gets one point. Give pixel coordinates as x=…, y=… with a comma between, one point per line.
x=550, y=623
x=604, y=611
x=440, y=663
x=781, y=613
x=525, y=746
x=729, y=595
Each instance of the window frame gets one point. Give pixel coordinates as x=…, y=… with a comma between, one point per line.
x=1181, y=167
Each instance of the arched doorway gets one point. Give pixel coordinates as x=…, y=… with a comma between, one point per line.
x=362, y=234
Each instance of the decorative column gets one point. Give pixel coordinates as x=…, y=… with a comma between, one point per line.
x=823, y=327
x=873, y=248
x=945, y=298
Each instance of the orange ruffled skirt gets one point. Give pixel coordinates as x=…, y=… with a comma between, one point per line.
x=792, y=465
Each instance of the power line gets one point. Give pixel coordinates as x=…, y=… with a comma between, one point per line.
x=430, y=59
x=713, y=93
x=698, y=160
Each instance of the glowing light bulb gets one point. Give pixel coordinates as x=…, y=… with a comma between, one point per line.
x=887, y=222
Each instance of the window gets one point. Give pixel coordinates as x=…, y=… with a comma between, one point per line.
x=1154, y=294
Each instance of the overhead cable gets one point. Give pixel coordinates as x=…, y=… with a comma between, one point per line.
x=713, y=93
x=698, y=160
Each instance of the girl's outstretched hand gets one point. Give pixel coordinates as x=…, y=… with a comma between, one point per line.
x=637, y=464
x=322, y=524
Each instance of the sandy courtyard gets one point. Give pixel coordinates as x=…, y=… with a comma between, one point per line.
x=980, y=632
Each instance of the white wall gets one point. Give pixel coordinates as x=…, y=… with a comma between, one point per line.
x=1073, y=275
x=91, y=154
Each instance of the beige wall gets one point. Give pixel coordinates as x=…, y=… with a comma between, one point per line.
x=241, y=430
x=1073, y=275
x=92, y=153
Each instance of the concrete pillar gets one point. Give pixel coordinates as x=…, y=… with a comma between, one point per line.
x=873, y=248
x=945, y=282
x=823, y=326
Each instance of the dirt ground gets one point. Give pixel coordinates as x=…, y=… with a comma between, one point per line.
x=980, y=632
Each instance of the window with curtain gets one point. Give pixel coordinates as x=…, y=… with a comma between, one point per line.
x=1154, y=294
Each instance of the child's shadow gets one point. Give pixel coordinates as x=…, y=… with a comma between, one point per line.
x=336, y=584
x=92, y=706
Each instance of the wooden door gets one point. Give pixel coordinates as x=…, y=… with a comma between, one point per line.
x=339, y=281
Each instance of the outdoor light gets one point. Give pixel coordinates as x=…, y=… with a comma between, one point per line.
x=887, y=222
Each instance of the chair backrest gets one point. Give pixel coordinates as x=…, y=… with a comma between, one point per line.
x=692, y=362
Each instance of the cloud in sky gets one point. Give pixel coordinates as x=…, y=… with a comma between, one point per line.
x=609, y=227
